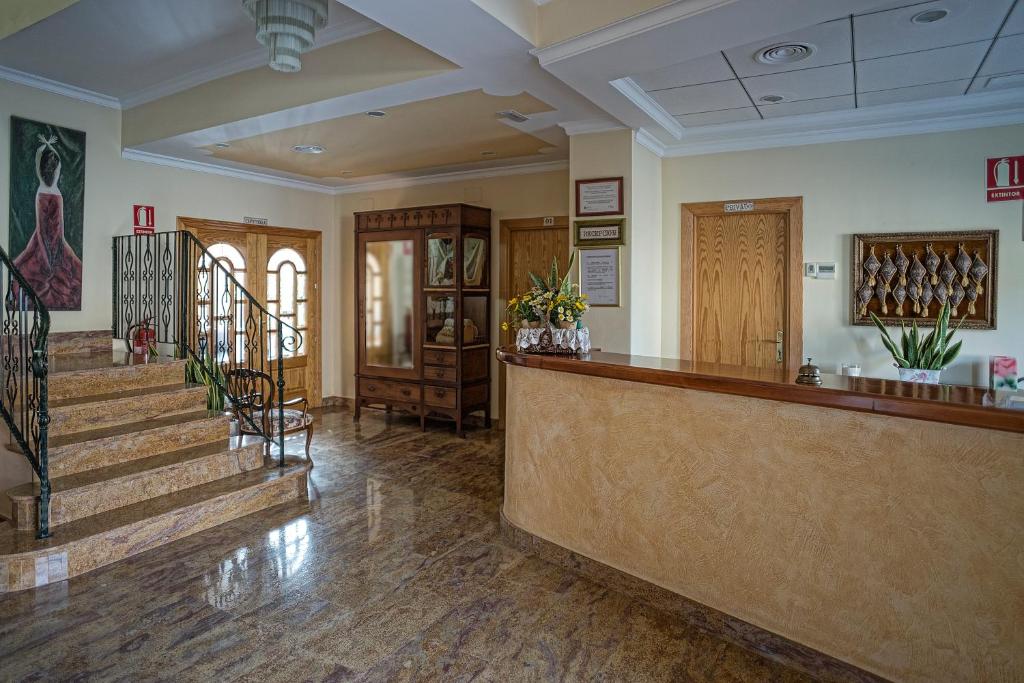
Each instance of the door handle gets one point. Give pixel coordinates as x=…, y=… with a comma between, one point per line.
x=778, y=344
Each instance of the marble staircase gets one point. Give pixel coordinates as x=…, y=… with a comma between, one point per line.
x=136, y=461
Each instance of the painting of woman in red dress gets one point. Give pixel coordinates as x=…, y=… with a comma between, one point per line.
x=48, y=261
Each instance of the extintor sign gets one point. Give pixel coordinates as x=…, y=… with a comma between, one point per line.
x=1004, y=179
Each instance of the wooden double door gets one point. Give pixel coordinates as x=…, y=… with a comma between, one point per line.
x=281, y=268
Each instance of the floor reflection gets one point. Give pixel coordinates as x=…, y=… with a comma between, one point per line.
x=289, y=545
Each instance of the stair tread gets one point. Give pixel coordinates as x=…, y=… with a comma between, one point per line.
x=77, y=362
x=127, y=393
x=129, y=467
x=58, y=441
x=13, y=541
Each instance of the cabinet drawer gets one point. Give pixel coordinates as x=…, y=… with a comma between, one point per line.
x=443, y=397
x=434, y=372
x=383, y=389
x=439, y=357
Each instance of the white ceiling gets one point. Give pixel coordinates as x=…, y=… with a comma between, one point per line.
x=873, y=58
x=125, y=48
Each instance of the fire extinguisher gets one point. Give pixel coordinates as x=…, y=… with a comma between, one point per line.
x=143, y=336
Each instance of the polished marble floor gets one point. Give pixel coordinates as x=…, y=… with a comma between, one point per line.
x=395, y=570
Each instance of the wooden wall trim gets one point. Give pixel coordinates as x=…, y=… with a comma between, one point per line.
x=191, y=224
x=793, y=208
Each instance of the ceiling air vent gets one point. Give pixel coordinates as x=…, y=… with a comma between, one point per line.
x=513, y=115
x=784, y=54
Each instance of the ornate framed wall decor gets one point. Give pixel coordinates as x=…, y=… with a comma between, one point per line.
x=906, y=277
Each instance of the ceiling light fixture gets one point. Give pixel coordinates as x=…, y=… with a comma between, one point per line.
x=377, y=113
x=930, y=16
x=784, y=54
x=308, y=149
x=287, y=28
x=772, y=99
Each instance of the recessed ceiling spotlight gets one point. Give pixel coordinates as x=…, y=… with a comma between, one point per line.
x=488, y=154
x=772, y=99
x=222, y=145
x=785, y=54
x=377, y=113
x=308, y=149
x=345, y=174
x=930, y=16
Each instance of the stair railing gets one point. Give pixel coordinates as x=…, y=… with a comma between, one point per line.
x=168, y=288
x=24, y=401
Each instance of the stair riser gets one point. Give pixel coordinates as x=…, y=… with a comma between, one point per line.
x=67, y=506
x=33, y=569
x=97, y=415
x=67, y=385
x=90, y=341
x=89, y=455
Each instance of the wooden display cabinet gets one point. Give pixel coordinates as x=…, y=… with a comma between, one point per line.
x=423, y=298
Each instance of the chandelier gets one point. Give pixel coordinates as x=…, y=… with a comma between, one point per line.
x=287, y=28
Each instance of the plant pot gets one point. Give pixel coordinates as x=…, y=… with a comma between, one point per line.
x=920, y=376
x=534, y=324
x=566, y=325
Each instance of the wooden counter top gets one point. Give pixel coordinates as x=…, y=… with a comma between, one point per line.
x=953, y=404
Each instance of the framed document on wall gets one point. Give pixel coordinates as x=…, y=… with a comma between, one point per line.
x=599, y=276
x=599, y=197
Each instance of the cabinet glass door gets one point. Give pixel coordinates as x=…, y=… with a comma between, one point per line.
x=440, y=261
x=389, y=304
x=474, y=261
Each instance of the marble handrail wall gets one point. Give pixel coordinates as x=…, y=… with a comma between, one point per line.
x=890, y=543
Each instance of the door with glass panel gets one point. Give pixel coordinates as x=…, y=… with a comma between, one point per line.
x=388, y=304
x=280, y=267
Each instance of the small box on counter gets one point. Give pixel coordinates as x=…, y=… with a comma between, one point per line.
x=1002, y=373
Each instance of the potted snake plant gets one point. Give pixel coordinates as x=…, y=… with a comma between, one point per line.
x=922, y=360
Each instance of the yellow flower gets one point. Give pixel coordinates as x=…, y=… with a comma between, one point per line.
x=526, y=297
x=583, y=296
x=579, y=305
x=513, y=301
x=561, y=317
x=504, y=326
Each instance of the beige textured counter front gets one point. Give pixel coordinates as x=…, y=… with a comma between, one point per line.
x=894, y=544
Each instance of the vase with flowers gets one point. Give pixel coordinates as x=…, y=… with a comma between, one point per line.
x=549, y=316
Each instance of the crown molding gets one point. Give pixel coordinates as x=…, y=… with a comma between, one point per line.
x=250, y=59
x=625, y=28
x=58, y=88
x=454, y=176
x=645, y=139
x=648, y=105
x=1002, y=108
x=590, y=126
x=240, y=174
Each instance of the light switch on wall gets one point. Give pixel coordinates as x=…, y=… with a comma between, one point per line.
x=810, y=270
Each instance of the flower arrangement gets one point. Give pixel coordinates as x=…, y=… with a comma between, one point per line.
x=555, y=300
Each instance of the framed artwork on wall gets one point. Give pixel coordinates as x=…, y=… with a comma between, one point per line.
x=599, y=276
x=599, y=197
x=47, y=209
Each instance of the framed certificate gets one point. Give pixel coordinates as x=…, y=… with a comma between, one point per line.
x=599, y=276
x=599, y=197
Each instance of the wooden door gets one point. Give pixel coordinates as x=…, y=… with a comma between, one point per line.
x=742, y=276
x=527, y=245
x=272, y=256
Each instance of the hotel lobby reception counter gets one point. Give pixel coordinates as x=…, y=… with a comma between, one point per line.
x=878, y=522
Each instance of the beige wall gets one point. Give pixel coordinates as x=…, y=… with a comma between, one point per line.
x=522, y=196
x=924, y=182
x=889, y=543
x=645, y=233
x=563, y=19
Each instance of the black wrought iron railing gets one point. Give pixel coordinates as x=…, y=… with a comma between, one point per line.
x=26, y=325
x=169, y=289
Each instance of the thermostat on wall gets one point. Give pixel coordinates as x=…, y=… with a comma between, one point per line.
x=826, y=271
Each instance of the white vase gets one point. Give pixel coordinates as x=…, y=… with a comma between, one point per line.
x=920, y=376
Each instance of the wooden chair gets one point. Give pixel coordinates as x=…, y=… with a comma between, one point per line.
x=254, y=404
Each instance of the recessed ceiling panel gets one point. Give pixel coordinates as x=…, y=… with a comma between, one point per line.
x=1006, y=55
x=896, y=32
x=918, y=68
x=436, y=133
x=825, y=81
x=717, y=117
x=807, y=106
x=913, y=93
x=694, y=99
x=829, y=44
x=693, y=72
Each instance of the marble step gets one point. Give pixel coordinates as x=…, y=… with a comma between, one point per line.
x=97, y=448
x=98, y=490
x=87, y=413
x=82, y=342
x=86, y=544
x=95, y=374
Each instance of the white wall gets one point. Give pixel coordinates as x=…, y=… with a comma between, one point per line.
x=112, y=185
x=913, y=183
x=645, y=233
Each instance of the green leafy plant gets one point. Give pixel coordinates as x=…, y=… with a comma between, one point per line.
x=933, y=352
x=209, y=374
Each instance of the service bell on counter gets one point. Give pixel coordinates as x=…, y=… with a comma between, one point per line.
x=809, y=374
